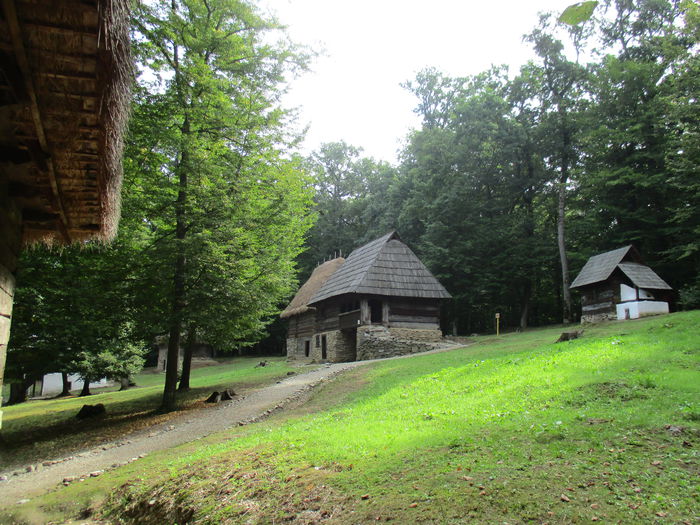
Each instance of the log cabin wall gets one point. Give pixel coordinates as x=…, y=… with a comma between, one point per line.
x=10, y=243
x=412, y=313
x=598, y=303
x=327, y=316
x=299, y=334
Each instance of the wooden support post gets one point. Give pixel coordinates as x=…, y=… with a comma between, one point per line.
x=10, y=242
x=364, y=312
x=498, y=324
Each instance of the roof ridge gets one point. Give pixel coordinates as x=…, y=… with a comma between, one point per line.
x=362, y=273
x=382, y=241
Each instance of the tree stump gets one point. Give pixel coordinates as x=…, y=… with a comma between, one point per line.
x=227, y=395
x=215, y=397
x=569, y=336
x=88, y=411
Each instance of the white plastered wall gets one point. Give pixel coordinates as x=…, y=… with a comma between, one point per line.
x=639, y=309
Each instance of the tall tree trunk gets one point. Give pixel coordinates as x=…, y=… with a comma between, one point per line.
x=66, y=385
x=18, y=391
x=178, y=305
x=187, y=359
x=563, y=259
x=525, y=304
x=86, y=387
x=178, y=302
x=561, y=210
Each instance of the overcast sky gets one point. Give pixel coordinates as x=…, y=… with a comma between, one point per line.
x=372, y=46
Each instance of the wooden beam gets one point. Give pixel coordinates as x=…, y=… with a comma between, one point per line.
x=24, y=67
x=13, y=75
x=75, y=6
x=68, y=75
x=60, y=28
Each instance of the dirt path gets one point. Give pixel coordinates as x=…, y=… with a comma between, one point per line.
x=182, y=429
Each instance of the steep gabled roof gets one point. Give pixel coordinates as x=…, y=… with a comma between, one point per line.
x=600, y=267
x=319, y=276
x=643, y=276
x=385, y=266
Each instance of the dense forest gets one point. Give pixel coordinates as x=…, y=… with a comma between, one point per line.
x=511, y=182
x=514, y=180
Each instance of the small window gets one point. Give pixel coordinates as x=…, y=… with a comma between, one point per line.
x=318, y=341
x=307, y=348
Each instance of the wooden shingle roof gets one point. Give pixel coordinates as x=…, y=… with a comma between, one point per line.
x=643, y=276
x=385, y=266
x=600, y=267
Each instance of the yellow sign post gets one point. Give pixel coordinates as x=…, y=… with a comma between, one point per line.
x=498, y=322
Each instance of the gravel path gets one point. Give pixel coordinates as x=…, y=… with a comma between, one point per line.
x=20, y=486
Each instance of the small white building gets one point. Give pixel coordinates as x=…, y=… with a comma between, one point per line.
x=52, y=384
x=616, y=285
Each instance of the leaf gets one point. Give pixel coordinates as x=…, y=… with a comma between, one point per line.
x=564, y=498
x=578, y=13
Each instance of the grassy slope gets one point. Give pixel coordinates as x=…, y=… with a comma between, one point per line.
x=510, y=430
x=52, y=424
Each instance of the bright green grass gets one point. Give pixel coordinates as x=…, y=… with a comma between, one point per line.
x=433, y=400
x=493, y=433
x=49, y=421
x=147, y=393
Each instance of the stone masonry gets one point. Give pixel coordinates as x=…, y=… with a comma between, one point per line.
x=375, y=342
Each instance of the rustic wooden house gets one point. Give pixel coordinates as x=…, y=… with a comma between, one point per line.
x=64, y=98
x=616, y=285
x=381, y=301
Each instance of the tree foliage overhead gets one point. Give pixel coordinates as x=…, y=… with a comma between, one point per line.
x=511, y=176
x=215, y=207
x=230, y=209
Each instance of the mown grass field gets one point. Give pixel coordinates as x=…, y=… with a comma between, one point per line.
x=513, y=429
x=44, y=429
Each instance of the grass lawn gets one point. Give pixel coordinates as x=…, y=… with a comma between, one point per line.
x=513, y=429
x=45, y=429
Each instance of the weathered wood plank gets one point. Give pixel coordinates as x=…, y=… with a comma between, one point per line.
x=8, y=257
x=598, y=306
x=413, y=319
x=6, y=301
x=4, y=330
x=416, y=310
x=422, y=326
x=7, y=281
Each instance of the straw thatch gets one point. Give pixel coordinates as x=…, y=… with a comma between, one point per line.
x=64, y=98
x=320, y=275
x=385, y=266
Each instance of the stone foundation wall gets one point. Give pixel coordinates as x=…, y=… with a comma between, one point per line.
x=376, y=342
x=296, y=347
x=414, y=334
x=292, y=345
x=341, y=346
x=370, y=342
x=597, y=318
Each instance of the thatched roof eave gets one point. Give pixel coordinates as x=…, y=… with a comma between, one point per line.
x=64, y=99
